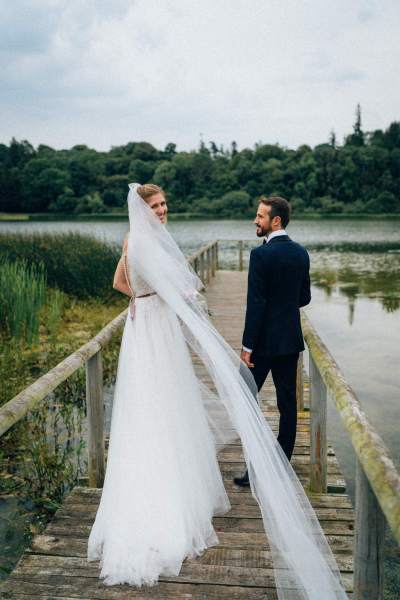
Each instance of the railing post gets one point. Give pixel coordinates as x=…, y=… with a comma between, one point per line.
x=216, y=256
x=208, y=265
x=300, y=384
x=240, y=255
x=213, y=259
x=369, y=541
x=318, y=443
x=201, y=261
x=95, y=419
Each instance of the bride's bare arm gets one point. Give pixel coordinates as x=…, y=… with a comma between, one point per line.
x=121, y=282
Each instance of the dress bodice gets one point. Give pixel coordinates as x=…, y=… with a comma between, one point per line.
x=138, y=284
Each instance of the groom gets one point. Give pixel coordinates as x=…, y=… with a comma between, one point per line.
x=278, y=285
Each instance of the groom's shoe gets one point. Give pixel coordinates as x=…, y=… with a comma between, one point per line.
x=242, y=481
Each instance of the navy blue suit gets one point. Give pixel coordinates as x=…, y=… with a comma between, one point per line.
x=278, y=285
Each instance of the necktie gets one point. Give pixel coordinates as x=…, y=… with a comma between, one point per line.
x=264, y=241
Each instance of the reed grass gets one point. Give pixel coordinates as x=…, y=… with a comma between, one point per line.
x=22, y=296
x=44, y=454
x=55, y=302
x=76, y=264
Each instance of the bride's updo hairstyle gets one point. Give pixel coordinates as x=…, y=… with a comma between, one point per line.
x=148, y=190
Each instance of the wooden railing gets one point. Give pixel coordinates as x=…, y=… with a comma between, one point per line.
x=205, y=263
x=377, y=479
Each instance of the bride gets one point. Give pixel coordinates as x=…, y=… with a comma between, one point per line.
x=163, y=484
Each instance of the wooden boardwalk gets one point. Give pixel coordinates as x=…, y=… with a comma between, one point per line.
x=240, y=567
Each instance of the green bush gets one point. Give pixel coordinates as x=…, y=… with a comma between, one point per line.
x=76, y=264
x=298, y=205
x=329, y=205
x=65, y=203
x=232, y=204
x=385, y=202
x=90, y=203
x=236, y=203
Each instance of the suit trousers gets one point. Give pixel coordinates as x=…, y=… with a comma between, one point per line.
x=284, y=373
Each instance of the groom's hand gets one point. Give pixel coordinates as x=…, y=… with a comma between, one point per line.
x=246, y=356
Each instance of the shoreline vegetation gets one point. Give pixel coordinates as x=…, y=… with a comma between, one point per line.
x=358, y=176
x=123, y=216
x=49, y=307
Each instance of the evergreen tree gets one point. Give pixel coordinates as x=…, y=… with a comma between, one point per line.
x=357, y=137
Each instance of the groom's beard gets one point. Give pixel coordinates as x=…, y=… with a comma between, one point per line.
x=260, y=232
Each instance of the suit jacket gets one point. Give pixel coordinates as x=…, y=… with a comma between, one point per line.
x=278, y=285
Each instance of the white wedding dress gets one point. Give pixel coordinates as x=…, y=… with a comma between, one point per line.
x=163, y=484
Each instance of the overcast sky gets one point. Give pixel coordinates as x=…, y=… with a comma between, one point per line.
x=104, y=73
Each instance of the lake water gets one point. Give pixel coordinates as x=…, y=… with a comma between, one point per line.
x=191, y=233
x=355, y=268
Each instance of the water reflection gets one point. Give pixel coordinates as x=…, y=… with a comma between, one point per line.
x=354, y=275
x=363, y=338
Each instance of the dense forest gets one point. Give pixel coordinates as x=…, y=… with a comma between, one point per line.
x=362, y=175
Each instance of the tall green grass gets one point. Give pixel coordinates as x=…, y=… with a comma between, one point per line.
x=77, y=264
x=22, y=296
x=55, y=302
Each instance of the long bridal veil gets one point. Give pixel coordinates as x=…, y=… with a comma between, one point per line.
x=304, y=566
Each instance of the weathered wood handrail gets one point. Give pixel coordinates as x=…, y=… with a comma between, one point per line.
x=377, y=479
x=371, y=452
x=90, y=355
x=205, y=261
x=16, y=408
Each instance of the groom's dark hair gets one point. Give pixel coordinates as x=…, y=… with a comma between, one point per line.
x=279, y=208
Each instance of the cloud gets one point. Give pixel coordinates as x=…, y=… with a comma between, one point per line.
x=105, y=73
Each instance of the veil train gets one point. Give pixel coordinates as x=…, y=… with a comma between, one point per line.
x=304, y=566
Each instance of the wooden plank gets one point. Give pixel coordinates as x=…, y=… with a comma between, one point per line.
x=41, y=568
x=68, y=588
x=86, y=495
x=85, y=513
x=70, y=545
x=65, y=526
x=223, y=554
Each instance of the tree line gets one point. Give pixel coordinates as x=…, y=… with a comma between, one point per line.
x=361, y=175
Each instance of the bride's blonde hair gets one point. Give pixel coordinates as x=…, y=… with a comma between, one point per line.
x=148, y=190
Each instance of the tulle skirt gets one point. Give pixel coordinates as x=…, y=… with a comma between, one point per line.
x=162, y=484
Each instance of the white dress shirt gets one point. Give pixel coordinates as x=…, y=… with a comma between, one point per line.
x=275, y=234
x=267, y=239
